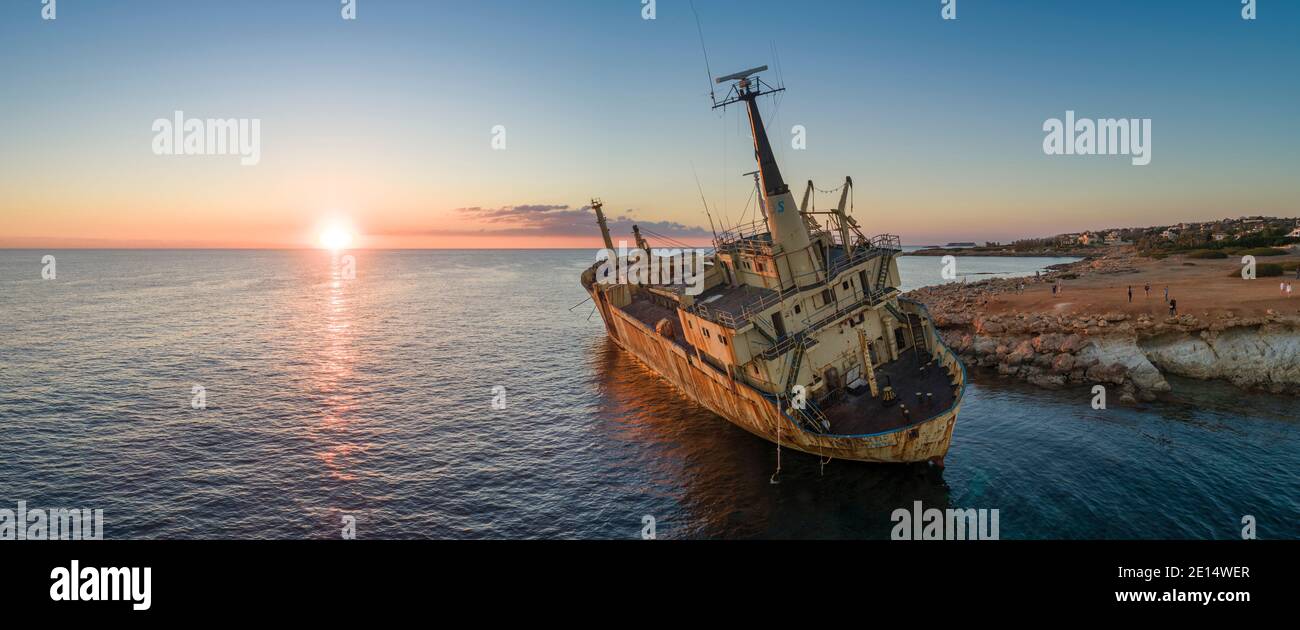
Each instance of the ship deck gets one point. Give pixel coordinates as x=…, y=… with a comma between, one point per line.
x=649, y=313
x=862, y=414
x=734, y=300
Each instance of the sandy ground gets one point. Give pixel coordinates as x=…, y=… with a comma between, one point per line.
x=1202, y=288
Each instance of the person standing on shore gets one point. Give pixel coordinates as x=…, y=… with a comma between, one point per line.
x=1166, y=294
x=1148, y=290
x=1173, y=308
x=1130, y=294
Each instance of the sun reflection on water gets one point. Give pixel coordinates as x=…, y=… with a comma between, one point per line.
x=334, y=377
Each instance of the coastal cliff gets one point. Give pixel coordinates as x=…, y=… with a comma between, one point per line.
x=1091, y=332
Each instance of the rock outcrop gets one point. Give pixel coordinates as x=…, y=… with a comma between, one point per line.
x=1132, y=354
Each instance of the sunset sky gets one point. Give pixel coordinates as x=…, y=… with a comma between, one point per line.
x=385, y=123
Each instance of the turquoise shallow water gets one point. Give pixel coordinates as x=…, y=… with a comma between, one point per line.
x=373, y=398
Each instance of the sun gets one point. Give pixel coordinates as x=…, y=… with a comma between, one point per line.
x=335, y=237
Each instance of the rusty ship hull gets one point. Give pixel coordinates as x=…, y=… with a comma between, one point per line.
x=764, y=415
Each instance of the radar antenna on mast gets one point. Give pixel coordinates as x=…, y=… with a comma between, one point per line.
x=747, y=87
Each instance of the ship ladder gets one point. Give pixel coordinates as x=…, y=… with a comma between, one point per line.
x=761, y=327
x=898, y=315
x=883, y=275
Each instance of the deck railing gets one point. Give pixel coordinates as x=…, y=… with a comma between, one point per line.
x=750, y=237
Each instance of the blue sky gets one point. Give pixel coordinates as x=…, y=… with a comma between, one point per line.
x=387, y=119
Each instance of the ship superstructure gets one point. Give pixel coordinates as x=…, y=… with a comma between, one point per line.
x=799, y=335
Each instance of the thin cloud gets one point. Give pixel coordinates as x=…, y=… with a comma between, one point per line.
x=546, y=220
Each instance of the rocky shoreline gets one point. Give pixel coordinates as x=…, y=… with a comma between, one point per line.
x=1055, y=347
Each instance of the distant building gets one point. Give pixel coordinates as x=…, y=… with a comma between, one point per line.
x=1295, y=233
x=1220, y=236
x=1086, y=239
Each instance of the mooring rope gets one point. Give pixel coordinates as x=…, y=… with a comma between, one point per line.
x=773, y=480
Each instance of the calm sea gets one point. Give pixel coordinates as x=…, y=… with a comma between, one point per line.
x=373, y=398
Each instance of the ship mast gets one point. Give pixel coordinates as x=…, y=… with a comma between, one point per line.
x=599, y=206
x=784, y=221
x=641, y=243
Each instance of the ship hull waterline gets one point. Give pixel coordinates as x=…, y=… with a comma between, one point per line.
x=751, y=410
